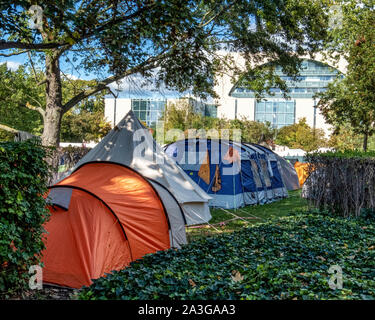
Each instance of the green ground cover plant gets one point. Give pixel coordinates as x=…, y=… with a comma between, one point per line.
x=285, y=258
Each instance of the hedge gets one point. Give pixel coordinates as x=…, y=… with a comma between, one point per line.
x=341, y=182
x=23, y=181
x=286, y=258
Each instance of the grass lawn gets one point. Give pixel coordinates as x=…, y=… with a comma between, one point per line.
x=250, y=214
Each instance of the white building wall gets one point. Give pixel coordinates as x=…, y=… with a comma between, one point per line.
x=245, y=108
x=227, y=108
x=123, y=106
x=305, y=109
x=321, y=123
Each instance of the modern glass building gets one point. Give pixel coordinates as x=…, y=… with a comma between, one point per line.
x=210, y=110
x=148, y=110
x=274, y=108
x=236, y=102
x=278, y=113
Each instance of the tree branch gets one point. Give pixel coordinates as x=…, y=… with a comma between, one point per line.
x=115, y=21
x=41, y=82
x=13, y=54
x=4, y=45
x=9, y=129
x=38, y=83
x=39, y=109
x=102, y=85
x=28, y=46
x=218, y=14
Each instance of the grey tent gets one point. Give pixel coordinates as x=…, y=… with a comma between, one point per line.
x=288, y=173
x=129, y=143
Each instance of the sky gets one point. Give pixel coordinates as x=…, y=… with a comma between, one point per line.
x=15, y=61
x=12, y=65
x=131, y=87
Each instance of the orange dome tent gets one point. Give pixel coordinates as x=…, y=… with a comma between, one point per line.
x=103, y=216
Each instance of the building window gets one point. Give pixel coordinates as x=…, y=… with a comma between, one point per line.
x=314, y=77
x=278, y=113
x=148, y=111
x=210, y=110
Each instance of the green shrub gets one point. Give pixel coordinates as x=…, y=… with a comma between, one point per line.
x=344, y=154
x=341, y=182
x=287, y=258
x=23, y=177
x=301, y=136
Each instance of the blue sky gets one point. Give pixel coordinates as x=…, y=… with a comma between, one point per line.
x=15, y=61
x=132, y=87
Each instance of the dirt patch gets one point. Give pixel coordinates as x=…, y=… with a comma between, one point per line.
x=48, y=292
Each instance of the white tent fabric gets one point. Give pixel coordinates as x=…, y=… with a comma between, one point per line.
x=177, y=233
x=131, y=144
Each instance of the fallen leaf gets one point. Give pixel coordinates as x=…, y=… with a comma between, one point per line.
x=236, y=277
x=192, y=283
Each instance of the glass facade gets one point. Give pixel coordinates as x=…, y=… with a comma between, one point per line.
x=314, y=77
x=210, y=110
x=278, y=113
x=148, y=110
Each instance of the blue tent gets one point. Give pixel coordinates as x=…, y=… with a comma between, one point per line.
x=234, y=174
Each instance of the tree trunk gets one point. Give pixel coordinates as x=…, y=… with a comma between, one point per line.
x=365, y=139
x=54, y=108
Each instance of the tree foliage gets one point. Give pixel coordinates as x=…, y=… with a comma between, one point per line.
x=301, y=136
x=83, y=126
x=176, y=42
x=351, y=100
x=85, y=121
x=346, y=139
x=20, y=99
x=185, y=118
x=17, y=91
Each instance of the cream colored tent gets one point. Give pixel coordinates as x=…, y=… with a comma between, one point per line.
x=132, y=145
